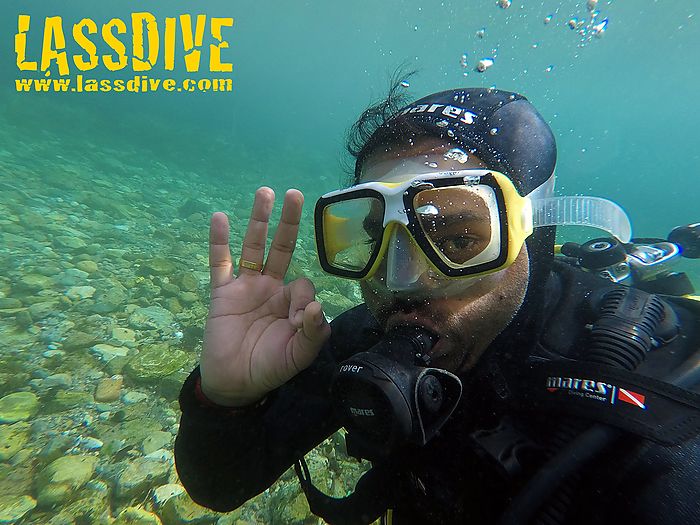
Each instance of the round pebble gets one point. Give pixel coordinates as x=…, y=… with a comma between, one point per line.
x=87, y=266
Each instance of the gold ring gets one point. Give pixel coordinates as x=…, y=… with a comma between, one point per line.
x=250, y=265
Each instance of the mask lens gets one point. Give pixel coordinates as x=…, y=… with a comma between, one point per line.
x=460, y=223
x=352, y=231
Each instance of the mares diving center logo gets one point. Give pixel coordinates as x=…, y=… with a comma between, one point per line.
x=56, y=55
x=595, y=390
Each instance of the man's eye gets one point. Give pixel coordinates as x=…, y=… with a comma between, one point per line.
x=457, y=243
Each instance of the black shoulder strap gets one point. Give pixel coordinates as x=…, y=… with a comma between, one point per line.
x=644, y=406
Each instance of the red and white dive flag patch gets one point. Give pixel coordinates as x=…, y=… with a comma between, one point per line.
x=633, y=398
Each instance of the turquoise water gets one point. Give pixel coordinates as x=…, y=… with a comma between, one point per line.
x=105, y=199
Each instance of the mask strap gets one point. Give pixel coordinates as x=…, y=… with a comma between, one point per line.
x=582, y=211
x=548, y=210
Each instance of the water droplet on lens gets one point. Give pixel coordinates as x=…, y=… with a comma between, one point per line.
x=484, y=64
x=456, y=154
x=481, y=33
x=549, y=68
x=441, y=123
x=493, y=131
x=599, y=29
x=504, y=4
x=548, y=19
x=405, y=84
x=431, y=164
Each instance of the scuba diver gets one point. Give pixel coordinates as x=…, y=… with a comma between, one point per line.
x=486, y=379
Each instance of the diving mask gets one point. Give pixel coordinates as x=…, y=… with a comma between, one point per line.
x=453, y=224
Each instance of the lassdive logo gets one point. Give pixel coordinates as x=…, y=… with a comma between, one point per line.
x=595, y=390
x=54, y=55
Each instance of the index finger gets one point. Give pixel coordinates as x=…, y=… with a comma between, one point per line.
x=220, y=267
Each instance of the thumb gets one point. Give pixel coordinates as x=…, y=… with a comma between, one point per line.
x=308, y=340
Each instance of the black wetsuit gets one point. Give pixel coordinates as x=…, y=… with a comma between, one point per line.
x=224, y=460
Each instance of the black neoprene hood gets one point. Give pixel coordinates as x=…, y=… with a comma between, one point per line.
x=501, y=128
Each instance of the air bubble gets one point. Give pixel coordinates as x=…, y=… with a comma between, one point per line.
x=456, y=154
x=484, y=64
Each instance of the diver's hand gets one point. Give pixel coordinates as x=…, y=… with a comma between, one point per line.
x=259, y=333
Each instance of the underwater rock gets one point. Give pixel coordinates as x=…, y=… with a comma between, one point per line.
x=34, y=282
x=60, y=480
x=139, y=475
x=110, y=298
x=171, y=385
x=188, y=282
x=44, y=309
x=169, y=289
x=57, y=381
x=89, y=443
x=55, y=448
x=173, y=305
x=13, y=508
x=137, y=516
x=151, y=318
x=155, y=362
x=32, y=220
x=181, y=510
x=159, y=266
x=133, y=397
x=156, y=441
x=109, y=388
x=9, y=303
x=115, y=366
x=87, y=266
x=19, y=406
x=66, y=400
x=78, y=293
x=192, y=206
x=289, y=505
x=93, y=509
x=163, y=493
x=108, y=352
x=188, y=297
x=12, y=439
x=66, y=242
x=24, y=319
x=76, y=340
x=123, y=335
x=72, y=277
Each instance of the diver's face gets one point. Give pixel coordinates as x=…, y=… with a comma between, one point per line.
x=467, y=314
